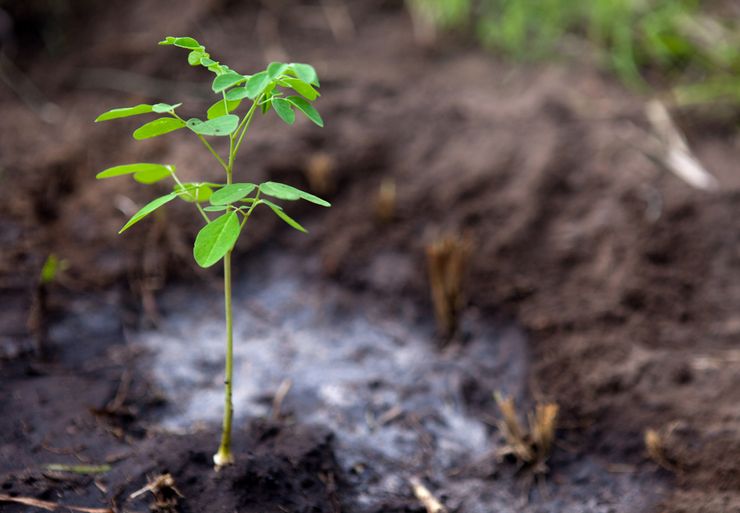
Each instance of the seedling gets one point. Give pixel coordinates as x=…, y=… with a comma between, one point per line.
x=232, y=202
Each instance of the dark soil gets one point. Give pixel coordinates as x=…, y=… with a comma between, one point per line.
x=626, y=280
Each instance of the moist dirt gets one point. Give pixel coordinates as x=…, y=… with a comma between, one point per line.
x=597, y=279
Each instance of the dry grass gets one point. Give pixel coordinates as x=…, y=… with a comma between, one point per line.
x=531, y=445
x=656, y=443
x=166, y=495
x=447, y=262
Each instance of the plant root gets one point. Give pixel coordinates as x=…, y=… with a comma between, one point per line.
x=530, y=446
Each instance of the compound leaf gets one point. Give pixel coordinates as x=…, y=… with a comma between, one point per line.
x=125, y=112
x=308, y=109
x=303, y=88
x=226, y=80
x=219, y=109
x=216, y=239
x=194, y=192
x=222, y=125
x=305, y=72
x=157, y=127
x=231, y=193
x=143, y=170
x=257, y=84
x=148, y=209
x=161, y=108
x=275, y=69
x=237, y=93
x=284, y=109
x=285, y=217
x=286, y=192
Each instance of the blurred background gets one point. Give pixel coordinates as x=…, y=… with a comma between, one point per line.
x=576, y=159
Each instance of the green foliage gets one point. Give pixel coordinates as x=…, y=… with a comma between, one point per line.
x=216, y=239
x=148, y=209
x=51, y=269
x=271, y=88
x=638, y=39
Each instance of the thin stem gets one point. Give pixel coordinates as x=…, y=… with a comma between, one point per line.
x=213, y=152
x=245, y=124
x=203, y=140
x=224, y=456
x=202, y=212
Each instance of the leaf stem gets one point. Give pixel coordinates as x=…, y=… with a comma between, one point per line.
x=245, y=125
x=213, y=152
x=203, y=140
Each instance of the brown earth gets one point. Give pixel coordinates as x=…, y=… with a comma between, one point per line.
x=626, y=279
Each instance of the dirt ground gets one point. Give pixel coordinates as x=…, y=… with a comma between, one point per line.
x=626, y=280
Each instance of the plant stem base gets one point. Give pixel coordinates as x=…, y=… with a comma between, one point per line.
x=222, y=459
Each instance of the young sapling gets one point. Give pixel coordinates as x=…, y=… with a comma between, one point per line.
x=225, y=207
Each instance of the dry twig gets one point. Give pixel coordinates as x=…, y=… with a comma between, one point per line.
x=50, y=506
x=424, y=496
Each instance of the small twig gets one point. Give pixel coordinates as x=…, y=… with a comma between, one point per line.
x=50, y=506
x=122, y=392
x=280, y=394
x=156, y=485
x=426, y=498
x=674, y=152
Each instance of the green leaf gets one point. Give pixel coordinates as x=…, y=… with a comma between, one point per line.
x=152, y=175
x=194, y=57
x=219, y=109
x=186, y=42
x=169, y=40
x=157, y=127
x=216, y=239
x=266, y=104
x=308, y=109
x=226, y=80
x=148, y=209
x=223, y=125
x=231, y=193
x=194, y=192
x=125, y=112
x=161, y=108
x=237, y=93
x=305, y=72
x=284, y=109
x=143, y=172
x=286, y=192
x=303, y=88
x=285, y=217
x=275, y=69
x=216, y=208
x=257, y=84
